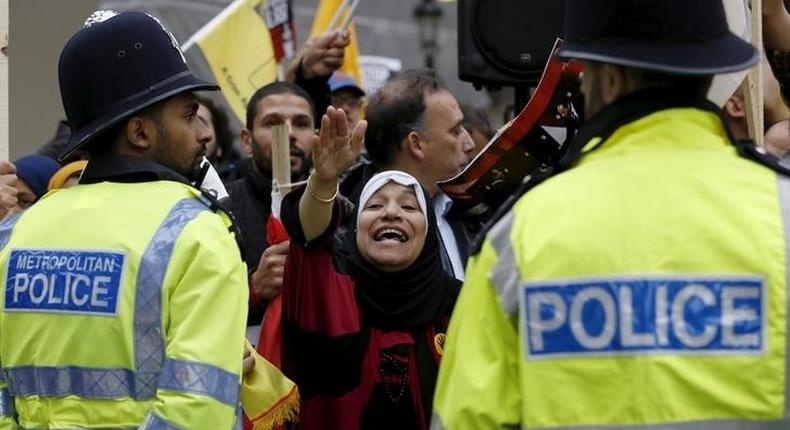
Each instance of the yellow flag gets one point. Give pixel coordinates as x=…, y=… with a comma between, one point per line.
x=268, y=398
x=238, y=49
x=323, y=16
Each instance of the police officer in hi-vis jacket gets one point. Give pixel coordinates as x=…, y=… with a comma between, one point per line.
x=646, y=286
x=124, y=297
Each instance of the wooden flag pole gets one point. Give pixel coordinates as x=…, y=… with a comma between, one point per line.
x=754, y=89
x=281, y=159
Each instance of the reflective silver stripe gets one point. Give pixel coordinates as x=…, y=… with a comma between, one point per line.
x=505, y=274
x=6, y=400
x=6, y=403
x=155, y=422
x=149, y=350
x=78, y=428
x=84, y=382
x=6, y=227
x=102, y=383
x=436, y=422
x=783, y=185
x=698, y=425
x=239, y=424
x=199, y=378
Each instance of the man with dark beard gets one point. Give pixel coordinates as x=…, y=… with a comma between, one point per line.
x=249, y=198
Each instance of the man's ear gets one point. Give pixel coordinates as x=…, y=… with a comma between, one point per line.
x=735, y=108
x=613, y=82
x=414, y=146
x=140, y=133
x=246, y=141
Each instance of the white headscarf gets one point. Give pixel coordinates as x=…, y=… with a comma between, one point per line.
x=383, y=178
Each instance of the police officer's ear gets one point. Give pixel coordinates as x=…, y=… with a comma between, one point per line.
x=615, y=81
x=246, y=141
x=735, y=107
x=140, y=132
x=414, y=145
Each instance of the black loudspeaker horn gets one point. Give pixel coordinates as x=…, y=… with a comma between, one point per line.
x=506, y=42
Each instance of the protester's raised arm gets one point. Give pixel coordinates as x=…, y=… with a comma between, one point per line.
x=334, y=150
x=320, y=56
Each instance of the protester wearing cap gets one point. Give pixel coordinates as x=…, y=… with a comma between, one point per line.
x=347, y=95
x=125, y=295
x=33, y=173
x=645, y=287
x=23, y=182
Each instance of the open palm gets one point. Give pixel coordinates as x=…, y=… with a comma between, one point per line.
x=336, y=148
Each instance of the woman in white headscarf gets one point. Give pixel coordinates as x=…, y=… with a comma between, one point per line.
x=364, y=312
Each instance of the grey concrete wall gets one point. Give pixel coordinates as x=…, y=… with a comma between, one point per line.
x=38, y=29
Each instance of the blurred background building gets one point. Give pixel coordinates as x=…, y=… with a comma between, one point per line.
x=39, y=29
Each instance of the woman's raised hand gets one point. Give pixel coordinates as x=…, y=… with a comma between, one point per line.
x=336, y=148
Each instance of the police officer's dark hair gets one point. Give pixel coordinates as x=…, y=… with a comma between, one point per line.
x=280, y=87
x=692, y=85
x=394, y=111
x=107, y=141
x=681, y=84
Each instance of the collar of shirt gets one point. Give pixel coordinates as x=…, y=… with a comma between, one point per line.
x=441, y=206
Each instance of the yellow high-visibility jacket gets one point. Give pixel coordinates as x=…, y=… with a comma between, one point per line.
x=123, y=306
x=645, y=288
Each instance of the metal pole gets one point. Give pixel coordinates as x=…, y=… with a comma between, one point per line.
x=3, y=80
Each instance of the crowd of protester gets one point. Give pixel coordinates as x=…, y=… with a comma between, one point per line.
x=377, y=253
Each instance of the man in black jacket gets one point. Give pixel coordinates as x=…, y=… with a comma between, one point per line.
x=249, y=198
x=296, y=104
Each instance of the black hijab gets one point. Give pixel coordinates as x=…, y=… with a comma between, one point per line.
x=411, y=298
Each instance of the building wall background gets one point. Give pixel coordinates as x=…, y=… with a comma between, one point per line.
x=385, y=27
x=38, y=29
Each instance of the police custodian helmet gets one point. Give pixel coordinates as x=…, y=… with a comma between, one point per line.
x=116, y=65
x=686, y=37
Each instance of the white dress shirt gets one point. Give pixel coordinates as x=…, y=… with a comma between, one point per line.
x=441, y=206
